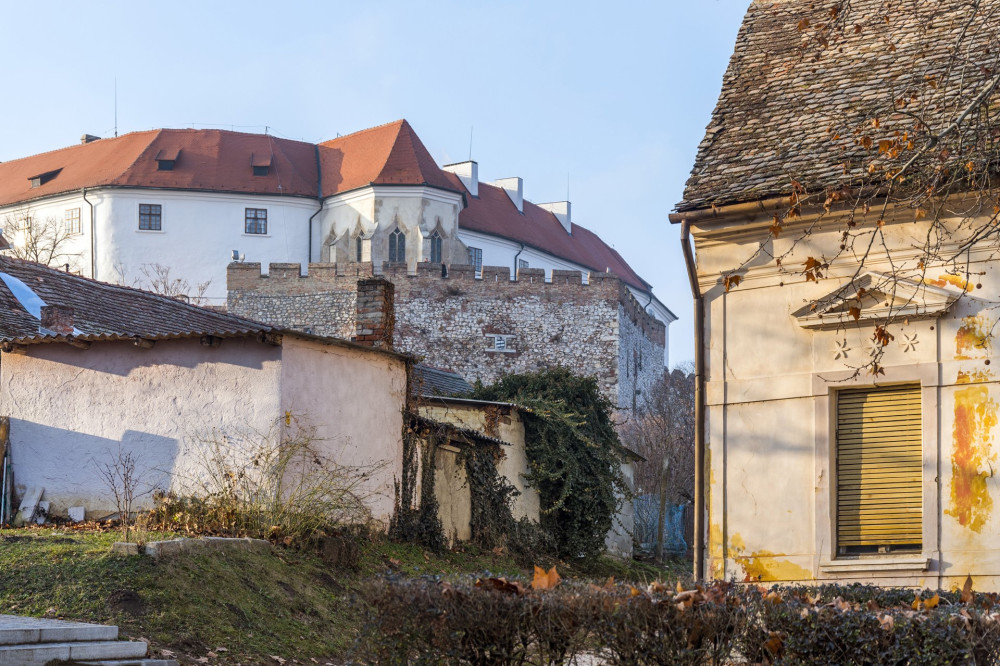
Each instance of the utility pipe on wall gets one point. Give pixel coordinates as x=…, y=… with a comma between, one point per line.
x=699, y=404
x=93, y=237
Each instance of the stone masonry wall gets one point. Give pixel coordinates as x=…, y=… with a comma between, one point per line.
x=479, y=328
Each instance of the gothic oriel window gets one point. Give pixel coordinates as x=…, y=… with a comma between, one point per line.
x=397, y=246
x=435, y=248
x=357, y=248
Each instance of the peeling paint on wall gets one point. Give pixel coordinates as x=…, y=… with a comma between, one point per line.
x=763, y=566
x=946, y=279
x=975, y=418
x=973, y=338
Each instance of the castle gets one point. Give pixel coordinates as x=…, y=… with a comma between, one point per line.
x=176, y=205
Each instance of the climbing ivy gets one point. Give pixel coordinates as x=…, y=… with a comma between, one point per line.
x=412, y=519
x=574, y=454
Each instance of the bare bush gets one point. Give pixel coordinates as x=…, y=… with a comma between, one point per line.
x=280, y=484
x=125, y=477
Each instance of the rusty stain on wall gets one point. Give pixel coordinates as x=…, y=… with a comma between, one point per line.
x=764, y=566
x=973, y=338
x=971, y=458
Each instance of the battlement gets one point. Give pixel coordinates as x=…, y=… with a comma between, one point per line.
x=429, y=280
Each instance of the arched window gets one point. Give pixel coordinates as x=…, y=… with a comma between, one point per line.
x=357, y=248
x=435, y=248
x=397, y=246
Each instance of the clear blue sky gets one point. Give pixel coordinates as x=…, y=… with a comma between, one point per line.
x=614, y=95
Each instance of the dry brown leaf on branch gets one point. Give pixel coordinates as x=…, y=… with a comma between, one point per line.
x=932, y=602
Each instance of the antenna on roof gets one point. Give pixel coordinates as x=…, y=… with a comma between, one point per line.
x=471, y=128
x=567, y=186
x=116, y=106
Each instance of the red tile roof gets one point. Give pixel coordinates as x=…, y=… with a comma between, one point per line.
x=390, y=154
x=219, y=160
x=495, y=214
x=207, y=160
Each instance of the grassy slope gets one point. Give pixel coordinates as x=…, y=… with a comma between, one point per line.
x=288, y=604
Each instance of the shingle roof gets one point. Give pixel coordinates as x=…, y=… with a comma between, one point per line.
x=103, y=311
x=788, y=105
x=434, y=382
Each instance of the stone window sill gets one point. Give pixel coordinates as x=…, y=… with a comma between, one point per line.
x=874, y=564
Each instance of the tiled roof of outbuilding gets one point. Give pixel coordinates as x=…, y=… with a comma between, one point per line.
x=433, y=382
x=785, y=98
x=103, y=311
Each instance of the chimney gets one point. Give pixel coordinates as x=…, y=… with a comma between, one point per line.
x=468, y=172
x=58, y=319
x=89, y=138
x=562, y=210
x=376, y=316
x=515, y=190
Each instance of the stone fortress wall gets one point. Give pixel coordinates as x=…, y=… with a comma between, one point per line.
x=480, y=327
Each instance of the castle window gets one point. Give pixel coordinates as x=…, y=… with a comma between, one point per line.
x=397, y=246
x=357, y=248
x=476, y=259
x=522, y=263
x=72, y=220
x=150, y=217
x=435, y=248
x=256, y=221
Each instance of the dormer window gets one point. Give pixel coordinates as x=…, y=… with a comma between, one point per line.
x=166, y=158
x=261, y=164
x=42, y=178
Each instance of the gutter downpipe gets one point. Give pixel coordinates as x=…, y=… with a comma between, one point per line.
x=322, y=202
x=93, y=237
x=699, y=405
x=515, y=258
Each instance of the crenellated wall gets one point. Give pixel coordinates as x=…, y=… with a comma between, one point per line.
x=481, y=327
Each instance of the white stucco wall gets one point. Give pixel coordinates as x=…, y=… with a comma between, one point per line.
x=72, y=408
x=354, y=399
x=771, y=421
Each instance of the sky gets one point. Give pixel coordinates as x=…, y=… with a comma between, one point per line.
x=607, y=101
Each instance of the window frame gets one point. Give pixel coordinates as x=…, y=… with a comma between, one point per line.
x=71, y=219
x=476, y=259
x=437, y=248
x=255, y=221
x=397, y=243
x=147, y=217
x=824, y=387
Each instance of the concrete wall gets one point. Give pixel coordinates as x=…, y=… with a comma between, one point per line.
x=454, y=497
x=355, y=400
x=619, y=539
x=71, y=409
x=771, y=397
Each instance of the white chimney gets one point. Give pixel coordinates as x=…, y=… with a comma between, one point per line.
x=468, y=172
x=562, y=210
x=514, y=187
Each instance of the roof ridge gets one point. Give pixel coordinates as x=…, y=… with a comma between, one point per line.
x=400, y=121
x=75, y=146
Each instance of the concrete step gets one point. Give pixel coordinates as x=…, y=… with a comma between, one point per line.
x=38, y=654
x=17, y=630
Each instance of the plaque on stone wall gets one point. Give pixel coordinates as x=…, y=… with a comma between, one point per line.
x=497, y=342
